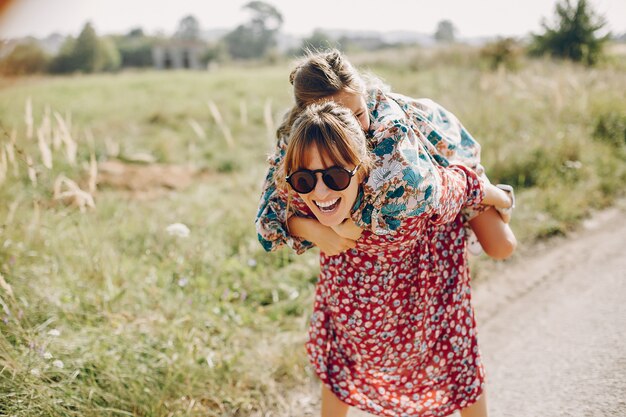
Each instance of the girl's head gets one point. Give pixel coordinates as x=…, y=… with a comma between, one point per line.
x=328, y=76
x=326, y=160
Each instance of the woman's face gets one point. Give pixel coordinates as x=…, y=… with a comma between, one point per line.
x=329, y=206
x=356, y=103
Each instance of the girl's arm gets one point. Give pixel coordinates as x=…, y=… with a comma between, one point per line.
x=271, y=218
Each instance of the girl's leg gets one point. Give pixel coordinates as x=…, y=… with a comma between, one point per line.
x=495, y=236
x=478, y=409
x=331, y=405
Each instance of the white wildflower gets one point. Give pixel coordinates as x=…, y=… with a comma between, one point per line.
x=177, y=229
x=35, y=372
x=209, y=359
x=58, y=364
x=54, y=332
x=47, y=355
x=573, y=164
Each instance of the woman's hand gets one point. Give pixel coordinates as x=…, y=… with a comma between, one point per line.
x=322, y=236
x=348, y=230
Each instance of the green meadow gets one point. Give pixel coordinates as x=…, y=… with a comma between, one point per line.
x=104, y=312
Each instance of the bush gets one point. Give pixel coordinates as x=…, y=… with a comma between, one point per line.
x=610, y=127
x=574, y=36
x=26, y=58
x=504, y=52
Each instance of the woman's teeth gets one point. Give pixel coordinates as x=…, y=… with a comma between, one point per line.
x=329, y=205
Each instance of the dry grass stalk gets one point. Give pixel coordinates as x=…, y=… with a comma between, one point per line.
x=44, y=148
x=28, y=118
x=46, y=123
x=269, y=120
x=222, y=125
x=71, y=147
x=4, y=166
x=243, y=113
x=70, y=193
x=32, y=173
x=93, y=175
x=10, y=149
x=6, y=287
x=198, y=130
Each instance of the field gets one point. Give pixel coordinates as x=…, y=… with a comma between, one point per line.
x=105, y=311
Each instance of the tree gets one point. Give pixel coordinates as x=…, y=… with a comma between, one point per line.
x=574, y=35
x=188, y=29
x=64, y=61
x=87, y=53
x=86, y=50
x=445, y=31
x=25, y=58
x=255, y=38
x=135, y=48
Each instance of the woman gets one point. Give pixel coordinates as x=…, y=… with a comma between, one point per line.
x=329, y=76
x=392, y=331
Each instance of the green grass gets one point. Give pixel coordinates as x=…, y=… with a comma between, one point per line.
x=210, y=325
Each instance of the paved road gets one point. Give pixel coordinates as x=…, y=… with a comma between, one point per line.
x=552, y=327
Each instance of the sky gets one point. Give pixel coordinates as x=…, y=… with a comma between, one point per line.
x=472, y=18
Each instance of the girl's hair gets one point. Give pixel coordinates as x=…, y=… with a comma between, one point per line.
x=321, y=74
x=334, y=132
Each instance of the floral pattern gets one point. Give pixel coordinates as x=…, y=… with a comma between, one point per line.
x=392, y=330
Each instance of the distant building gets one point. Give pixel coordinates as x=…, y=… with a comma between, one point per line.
x=178, y=54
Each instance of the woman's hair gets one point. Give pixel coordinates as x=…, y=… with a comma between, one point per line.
x=334, y=132
x=321, y=74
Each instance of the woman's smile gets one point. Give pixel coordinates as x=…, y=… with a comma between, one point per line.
x=329, y=206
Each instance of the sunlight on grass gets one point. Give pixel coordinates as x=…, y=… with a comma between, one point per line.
x=106, y=312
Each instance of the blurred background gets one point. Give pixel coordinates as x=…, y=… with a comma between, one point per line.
x=133, y=145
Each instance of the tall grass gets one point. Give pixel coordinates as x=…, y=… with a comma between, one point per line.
x=104, y=313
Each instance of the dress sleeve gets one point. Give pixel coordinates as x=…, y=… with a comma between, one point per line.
x=271, y=218
x=451, y=141
x=461, y=187
x=406, y=181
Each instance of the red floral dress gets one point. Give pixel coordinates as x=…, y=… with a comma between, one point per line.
x=392, y=330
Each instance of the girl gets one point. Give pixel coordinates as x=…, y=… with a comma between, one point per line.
x=329, y=76
x=392, y=330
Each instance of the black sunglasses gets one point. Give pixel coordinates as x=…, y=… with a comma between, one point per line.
x=336, y=178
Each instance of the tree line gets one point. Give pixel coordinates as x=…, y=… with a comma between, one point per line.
x=573, y=35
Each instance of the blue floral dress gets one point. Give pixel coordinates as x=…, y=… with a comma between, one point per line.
x=392, y=330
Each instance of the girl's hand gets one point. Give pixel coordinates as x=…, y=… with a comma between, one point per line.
x=496, y=197
x=322, y=236
x=348, y=230
x=501, y=200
